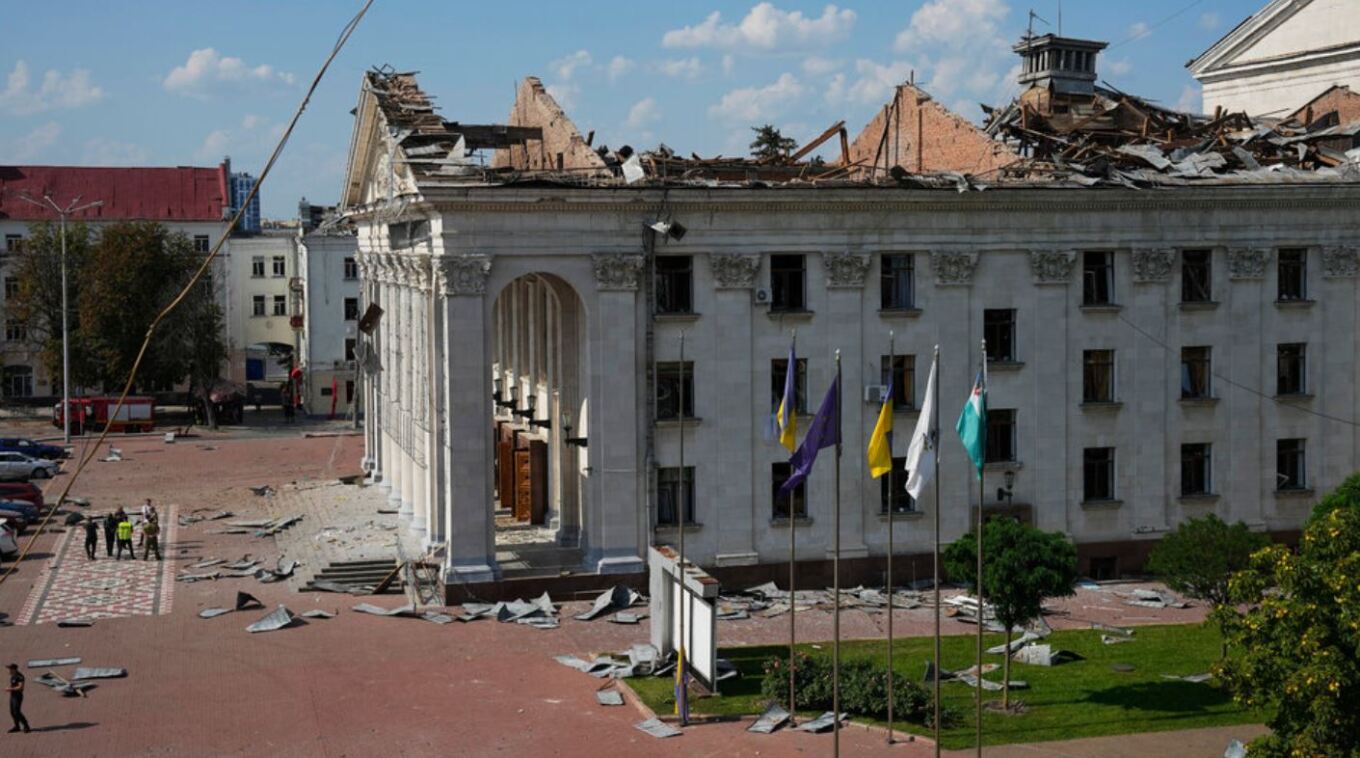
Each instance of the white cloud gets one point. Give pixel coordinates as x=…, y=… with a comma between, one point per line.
x=1191, y=99
x=1119, y=67
x=873, y=86
x=564, y=68
x=819, y=66
x=255, y=137
x=251, y=121
x=33, y=144
x=619, y=66
x=1209, y=21
x=958, y=49
x=215, y=145
x=106, y=152
x=57, y=91
x=681, y=68
x=564, y=93
x=643, y=112
x=207, y=70
x=1139, y=30
x=728, y=62
x=766, y=28
x=755, y=105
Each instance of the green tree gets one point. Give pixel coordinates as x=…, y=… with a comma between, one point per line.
x=1347, y=495
x=37, y=267
x=1022, y=566
x=1202, y=554
x=770, y=145
x=1294, y=624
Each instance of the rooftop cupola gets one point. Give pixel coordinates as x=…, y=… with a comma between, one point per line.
x=1061, y=64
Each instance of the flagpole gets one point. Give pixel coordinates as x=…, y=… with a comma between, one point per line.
x=682, y=671
x=836, y=582
x=936, y=432
x=892, y=370
x=793, y=501
x=982, y=493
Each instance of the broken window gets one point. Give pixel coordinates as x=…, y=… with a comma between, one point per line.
x=1293, y=273
x=14, y=243
x=1097, y=474
x=1195, y=469
x=16, y=330
x=408, y=233
x=280, y=266
x=998, y=328
x=351, y=309
x=903, y=379
x=257, y=305
x=673, y=380
x=669, y=495
x=1195, y=372
x=351, y=269
x=11, y=287
x=780, y=473
x=1097, y=278
x=897, y=282
x=202, y=244
x=1097, y=376
x=1289, y=374
x=257, y=266
x=675, y=284
x=1000, y=435
x=778, y=368
x=18, y=381
x=280, y=305
x=350, y=344
x=787, y=283
x=1289, y=465
x=1195, y=282
x=892, y=491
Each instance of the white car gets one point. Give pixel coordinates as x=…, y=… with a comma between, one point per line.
x=9, y=544
x=17, y=466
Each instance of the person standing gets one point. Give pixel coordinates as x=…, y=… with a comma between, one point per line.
x=151, y=533
x=147, y=510
x=110, y=533
x=16, y=699
x=125, y=537
x=91, y=538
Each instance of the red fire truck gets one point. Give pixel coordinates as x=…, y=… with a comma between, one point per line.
x=138, y=414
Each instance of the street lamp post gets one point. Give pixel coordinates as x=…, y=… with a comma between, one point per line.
x=65, y=310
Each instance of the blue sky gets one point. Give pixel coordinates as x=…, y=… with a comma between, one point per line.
x=184, y=83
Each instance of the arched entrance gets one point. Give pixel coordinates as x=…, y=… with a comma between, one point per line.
x=541, y=417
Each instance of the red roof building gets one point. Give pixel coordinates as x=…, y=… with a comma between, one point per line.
x=181, y=193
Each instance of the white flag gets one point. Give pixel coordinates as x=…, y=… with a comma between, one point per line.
x=920, y=462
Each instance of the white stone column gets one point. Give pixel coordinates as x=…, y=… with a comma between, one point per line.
x=845, y=273
x=420, y=396
x=438, y=461
x=405, y=341
x=467, y=391
x=388, y=384
x=732, y=483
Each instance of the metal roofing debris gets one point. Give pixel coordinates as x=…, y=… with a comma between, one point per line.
x=571, y=661
x=48, y=662
x=68, y=689
x=1192, y=678
x=278, y=619
x=212, y=613
x=317, y=613
x=405, y=610
x=207, y=563
x=1044, y=655
x=616, y=598
x=283, y=569
x=609, y=697
x=74, y=623
x=822, y=723
x=245, y=601
x=1152, y=599
x=658, y=728
x=775, y=716
x=99, y=673
x=623, y=617
x=437, y=618
x=325, y=585
x=241, y=565
x=1235, y=749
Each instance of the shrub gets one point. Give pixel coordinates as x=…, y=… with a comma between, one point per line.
x=864, y=689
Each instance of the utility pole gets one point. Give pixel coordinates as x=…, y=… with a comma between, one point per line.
x=72, y=207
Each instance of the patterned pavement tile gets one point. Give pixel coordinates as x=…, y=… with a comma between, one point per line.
x=73, y=587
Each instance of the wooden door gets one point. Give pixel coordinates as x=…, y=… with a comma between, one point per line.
x=524, y=490
x=538, y=484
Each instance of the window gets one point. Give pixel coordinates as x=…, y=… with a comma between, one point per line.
x=786, y=283
x=11, y=287
x=202, y=244
x=893, y=490
x=1289, y=465
x=1195, y=279
x=1289, y=376
x=257, y=266
x=351, y=269
x=350, y=345
x=1000, y=435
x=675, y=284
x=280, y=266
x=670, y=388
x=325, y=391
x=903, y=379
x=18, y=381
x=1195, y=463
x=349, y=391
x=1097, y=376
x=1195, y=372
x=16, y=330
x=280, y=305
x=1097, y=278
x=780, y=473
x=1293, y=273
x=1097, y=480
x=257, y=305
x=998, y=328
x=351, y=309
x=778, y=368
x=669, y=495
x=897, y=282
x=14, y=243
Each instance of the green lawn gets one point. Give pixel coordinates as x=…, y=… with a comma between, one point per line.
x=1084, y=698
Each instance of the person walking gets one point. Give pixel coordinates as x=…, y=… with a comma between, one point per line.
x=16, y=699
x=151, y=533
x=125, y=537
x=147, y=510
x=91, y=538
x=110, y=533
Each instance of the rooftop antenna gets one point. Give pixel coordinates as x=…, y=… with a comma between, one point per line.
x=1029, y=33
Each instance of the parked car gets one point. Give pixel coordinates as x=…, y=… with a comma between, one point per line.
x=9, y=542
x=21, y=491
x=31, y=449
x=21, y=467
x=28, y=510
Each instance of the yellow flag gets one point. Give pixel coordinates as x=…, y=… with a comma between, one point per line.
x=880, y=442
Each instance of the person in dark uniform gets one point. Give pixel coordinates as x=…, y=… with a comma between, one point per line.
x=151, y=536
x=91, y=537
x=16, y=699
x=110, y=533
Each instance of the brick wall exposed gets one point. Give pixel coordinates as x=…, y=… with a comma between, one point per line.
x=1340, y=99
x=562, y=146
x=923, y=137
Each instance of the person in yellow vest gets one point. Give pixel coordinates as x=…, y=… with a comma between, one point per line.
x=151, y=536
x=125, y=538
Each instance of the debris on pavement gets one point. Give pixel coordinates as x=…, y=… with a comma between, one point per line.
x=67, y=689
x=1044, y=655
x=614, y=599
x=115, y=455
x=318, y=613
x=822, y=723
x=1152, y=599
x=74, y=623
x=50, y=662
x=212, y=613
x=608, y=695
x=774, y=717
x=277, y=619
x=374, y=610
x=264, y=490
x=624, y=617
x=99, y=673
x=658, y=728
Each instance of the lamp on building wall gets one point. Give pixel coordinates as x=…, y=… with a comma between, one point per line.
x=512, y=402
x=496, y=390
x=527, y=412
x=1007, y=493
x=566, y=432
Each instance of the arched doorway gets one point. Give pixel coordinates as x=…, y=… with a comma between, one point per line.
x=541, y=417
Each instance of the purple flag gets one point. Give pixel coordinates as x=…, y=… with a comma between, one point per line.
x=824, y=431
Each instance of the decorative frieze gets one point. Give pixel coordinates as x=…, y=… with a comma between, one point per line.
x=734, y=270
x=1340, y=262
x=1052, y=266
x=1153, y=265
x=620, y=271
x=463, y=274
x=953, y=267
x=845, y=269
x=1247, y=262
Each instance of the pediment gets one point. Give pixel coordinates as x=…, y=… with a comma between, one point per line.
x=376, y=169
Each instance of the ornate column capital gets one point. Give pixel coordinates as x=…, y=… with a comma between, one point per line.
x=463, y=274
x=1340, y=262
x=734, y=270
x=617, y=271
x=389, y=267
x=845, y=269
x=1247, y=262
x=1153, y=264
x=1052, y=266
x=953, y=267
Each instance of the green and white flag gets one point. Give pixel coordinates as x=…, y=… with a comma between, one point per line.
x=972, y=426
